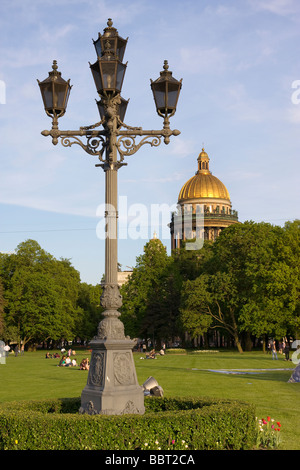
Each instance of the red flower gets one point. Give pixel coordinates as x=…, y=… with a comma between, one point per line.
x=278, y=424
x=268, y=418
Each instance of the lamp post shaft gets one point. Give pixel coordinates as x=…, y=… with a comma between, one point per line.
x=111, y=235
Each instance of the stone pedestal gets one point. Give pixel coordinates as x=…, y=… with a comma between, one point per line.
x=112, y=387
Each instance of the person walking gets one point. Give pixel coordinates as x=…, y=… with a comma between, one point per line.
x=274, y=351
x=287, y=350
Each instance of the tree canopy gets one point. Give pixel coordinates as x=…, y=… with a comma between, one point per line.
x=245, y=283
x=41, y=296
x=151, y=295
x=250, y=282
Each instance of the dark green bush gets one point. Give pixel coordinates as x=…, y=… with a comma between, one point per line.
x=168, y=423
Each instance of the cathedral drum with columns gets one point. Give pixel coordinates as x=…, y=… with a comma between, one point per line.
x=204, y=207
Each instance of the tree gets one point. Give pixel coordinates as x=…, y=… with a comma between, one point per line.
x=210, y=301
x=248, y=284
x=41, y=294
x=292, y=257
x=2, y=304
x=151, y=295
x=271, y=281
x=195, y=314
x=89, y=302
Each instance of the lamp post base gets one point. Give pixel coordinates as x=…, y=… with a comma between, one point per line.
x=112, y=387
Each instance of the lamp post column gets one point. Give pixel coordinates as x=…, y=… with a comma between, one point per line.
x=111, y=215
x=111, y=299
x=112, y=385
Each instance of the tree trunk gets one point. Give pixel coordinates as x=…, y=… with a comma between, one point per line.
x=248, y=341
x=264, y=344
x=235, y=333
x=238, y=343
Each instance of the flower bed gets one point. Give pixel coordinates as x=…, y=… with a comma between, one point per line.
x=168, y=423
x=191, y=351
x=268, y=433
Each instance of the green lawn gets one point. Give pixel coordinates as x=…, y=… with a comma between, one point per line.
x=31, y=377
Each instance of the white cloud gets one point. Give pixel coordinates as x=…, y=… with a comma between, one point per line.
x=278, y=7
x=182, y=147
x=236, y=99
x=199, y=60
x=176, y=176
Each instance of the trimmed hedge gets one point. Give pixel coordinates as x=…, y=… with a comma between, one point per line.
x=168, y=423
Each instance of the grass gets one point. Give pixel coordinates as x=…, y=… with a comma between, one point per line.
x=31, y=377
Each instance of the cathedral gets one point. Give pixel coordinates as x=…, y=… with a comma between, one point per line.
x=204, y=207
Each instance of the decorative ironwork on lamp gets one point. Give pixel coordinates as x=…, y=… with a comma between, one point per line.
x=121, y=108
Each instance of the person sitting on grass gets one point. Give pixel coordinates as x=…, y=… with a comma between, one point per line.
x=62, y=362
x=151, y=354
x=85, y=364
x=68, y=361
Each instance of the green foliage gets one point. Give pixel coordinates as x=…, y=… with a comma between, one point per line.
x=89, y=301
x=41, y=295
x=195, y=315
x=173, y=423
x=152, y=294
x=2, y=304
x=248, y=281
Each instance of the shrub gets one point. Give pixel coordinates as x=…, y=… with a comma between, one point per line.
x=168, y=423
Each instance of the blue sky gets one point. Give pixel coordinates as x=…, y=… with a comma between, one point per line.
x=238, y=61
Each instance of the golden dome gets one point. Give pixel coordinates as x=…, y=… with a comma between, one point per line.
x=203, y=184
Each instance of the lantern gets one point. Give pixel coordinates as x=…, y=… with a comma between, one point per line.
x=55, y=92
x=166, y=90
x=117, y=44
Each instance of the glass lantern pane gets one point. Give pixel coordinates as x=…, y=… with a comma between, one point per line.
x=60, y=91
x=172, y=95
x=100, y=109
x=122, y=109
x=98, y=47
x=113, y=44
x=159, y=96
x=172, y=99
x=120, y=75
x=121, y=50
x=47, y=95
x=96, y=76
x=108, y=74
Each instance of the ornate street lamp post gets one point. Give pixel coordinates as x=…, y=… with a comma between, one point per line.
x=112, y=386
